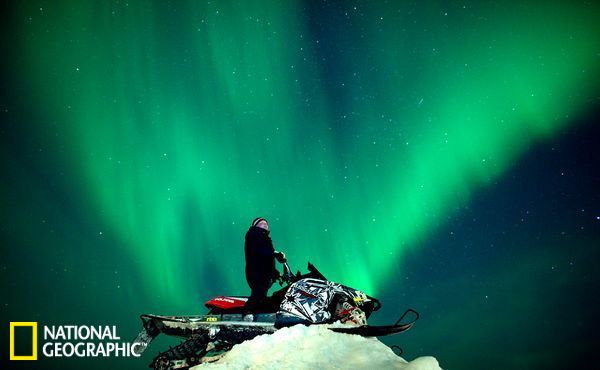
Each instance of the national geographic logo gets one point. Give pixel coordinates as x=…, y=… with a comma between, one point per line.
x=33, y=326
x=68, y=341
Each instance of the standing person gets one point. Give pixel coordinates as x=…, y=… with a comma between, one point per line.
x=260, y=263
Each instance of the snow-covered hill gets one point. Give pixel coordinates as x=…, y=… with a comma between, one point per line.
x=315, y=347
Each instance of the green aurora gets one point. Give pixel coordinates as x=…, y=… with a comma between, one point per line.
x=181, y=125
x=139, y=140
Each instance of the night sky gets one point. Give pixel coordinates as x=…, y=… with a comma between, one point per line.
x=437, y=155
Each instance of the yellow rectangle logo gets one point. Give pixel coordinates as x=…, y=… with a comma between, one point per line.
x=33, y=326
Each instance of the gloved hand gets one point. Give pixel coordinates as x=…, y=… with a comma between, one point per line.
x=280, y=256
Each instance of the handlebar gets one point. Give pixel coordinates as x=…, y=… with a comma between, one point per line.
x=287, y=274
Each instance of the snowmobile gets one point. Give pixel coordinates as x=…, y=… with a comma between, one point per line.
x=307, y=299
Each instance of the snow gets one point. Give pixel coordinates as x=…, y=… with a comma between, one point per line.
x=315, y=347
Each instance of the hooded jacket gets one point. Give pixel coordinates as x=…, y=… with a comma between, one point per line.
x=260, y=256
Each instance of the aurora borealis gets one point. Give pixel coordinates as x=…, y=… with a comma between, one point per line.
x=140, y=139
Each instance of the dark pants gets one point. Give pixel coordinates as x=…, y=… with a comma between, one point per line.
x=258, y=301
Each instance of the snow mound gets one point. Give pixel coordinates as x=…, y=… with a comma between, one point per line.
x=315, y=347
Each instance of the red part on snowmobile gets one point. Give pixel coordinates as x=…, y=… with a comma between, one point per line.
x=225, y=303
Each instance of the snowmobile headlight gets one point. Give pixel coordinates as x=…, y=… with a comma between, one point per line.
x=360, y=298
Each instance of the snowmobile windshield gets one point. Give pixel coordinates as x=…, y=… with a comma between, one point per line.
x=314, y=273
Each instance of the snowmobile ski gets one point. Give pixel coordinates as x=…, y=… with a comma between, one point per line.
x=380, y=331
